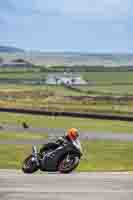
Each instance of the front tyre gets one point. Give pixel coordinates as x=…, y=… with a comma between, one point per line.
x=68, y=165
x=29, y=166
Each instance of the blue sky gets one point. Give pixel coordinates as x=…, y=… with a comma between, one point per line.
x=67, y=25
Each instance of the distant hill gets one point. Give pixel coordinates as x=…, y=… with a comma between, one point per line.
x=66, y=58
x=75, y=58
x=8, y=49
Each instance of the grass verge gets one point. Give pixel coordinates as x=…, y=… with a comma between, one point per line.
x=67, y=122
x=24, y=136
x=107, y=156
x=98, y=156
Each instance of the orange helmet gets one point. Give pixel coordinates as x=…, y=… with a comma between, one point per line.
x=72, y=134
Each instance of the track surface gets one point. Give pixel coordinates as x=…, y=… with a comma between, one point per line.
x=94, y=186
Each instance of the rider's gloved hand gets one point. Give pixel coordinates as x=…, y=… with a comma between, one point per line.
x=60, y=140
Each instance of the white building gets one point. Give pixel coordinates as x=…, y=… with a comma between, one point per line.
x=65, y=78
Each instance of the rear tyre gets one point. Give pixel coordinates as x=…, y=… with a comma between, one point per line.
x=29, y=166
x=67, y=167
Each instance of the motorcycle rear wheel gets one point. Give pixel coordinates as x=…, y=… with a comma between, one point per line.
x=29, y=166
x=65, y=167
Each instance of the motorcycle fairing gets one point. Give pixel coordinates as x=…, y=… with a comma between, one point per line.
x=51, y=160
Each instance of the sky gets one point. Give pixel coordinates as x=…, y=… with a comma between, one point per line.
x=93, y=26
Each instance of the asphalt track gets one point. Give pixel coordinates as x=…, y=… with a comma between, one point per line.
x=15, y=185
x=56, y=132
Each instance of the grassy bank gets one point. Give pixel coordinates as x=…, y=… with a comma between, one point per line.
x=95, y=77
x=55, y=98
x=98, y=156
x=67, y=122
x=24, y=136
x=107, y=156
x=109, y=77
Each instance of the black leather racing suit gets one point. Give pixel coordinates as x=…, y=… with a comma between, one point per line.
x=54, y=145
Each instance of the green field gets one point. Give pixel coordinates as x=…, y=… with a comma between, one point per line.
x=44, y=97
x=98, y=156
x=57, y=90
x=24, y=75
x=93, y=77
x=112, y=90
x=109, y=77
x=107, y=156
x=108, y=83
x=51, y=98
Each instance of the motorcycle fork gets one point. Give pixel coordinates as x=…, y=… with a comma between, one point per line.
x=35, y=155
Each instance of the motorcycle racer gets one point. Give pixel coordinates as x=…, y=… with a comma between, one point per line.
x=71, y=135
x=63, y=155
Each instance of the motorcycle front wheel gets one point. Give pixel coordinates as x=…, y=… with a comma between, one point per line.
x=68, y=165
x=29, y=166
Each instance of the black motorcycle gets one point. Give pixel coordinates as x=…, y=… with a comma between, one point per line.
x=53, y=158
